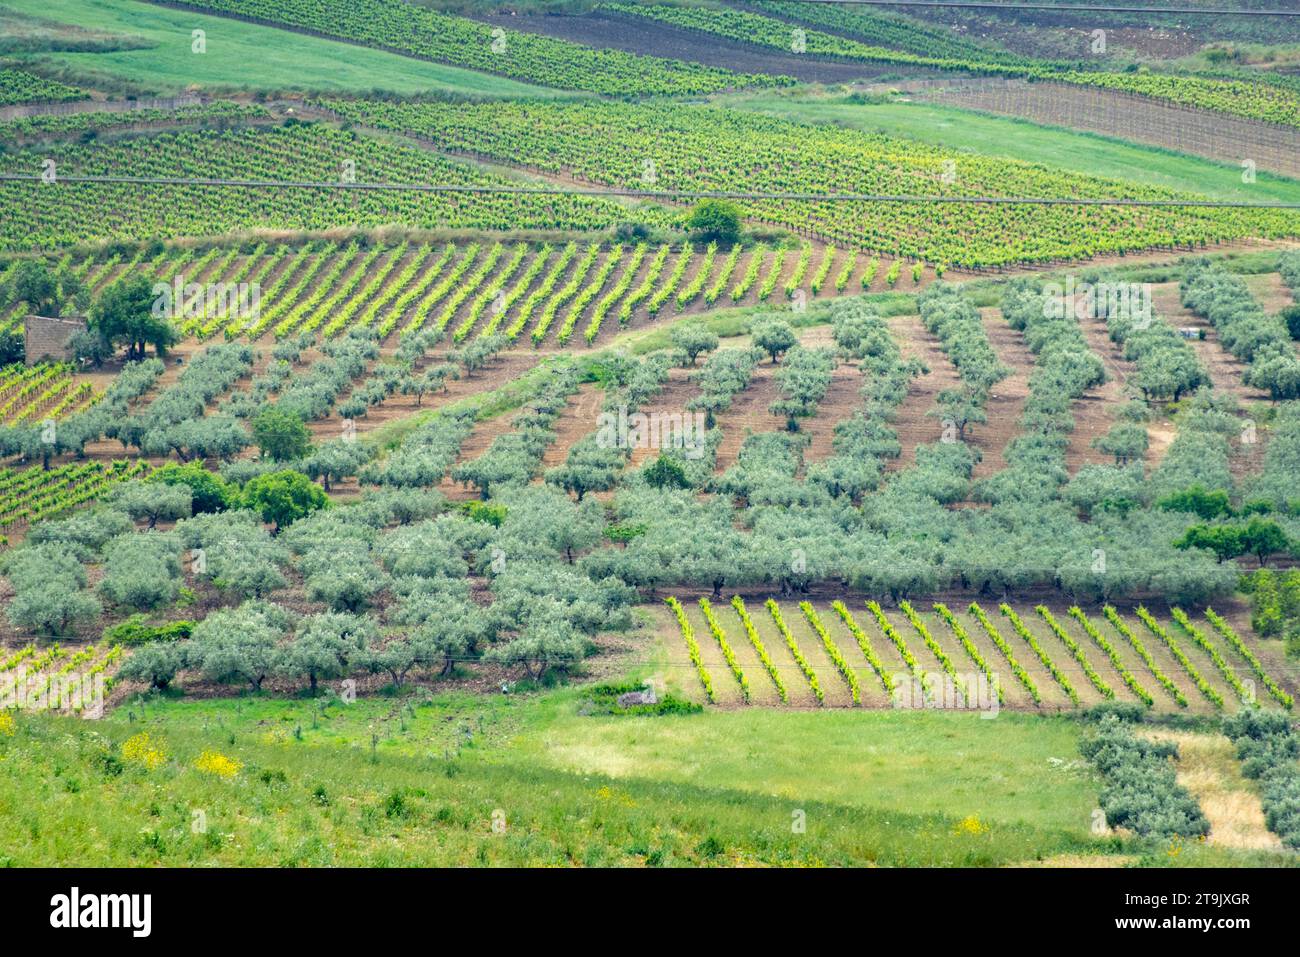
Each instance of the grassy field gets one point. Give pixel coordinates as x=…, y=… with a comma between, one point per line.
x=1058, y=147
x=421, y=781
x=249, y=57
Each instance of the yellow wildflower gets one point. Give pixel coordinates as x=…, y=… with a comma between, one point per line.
x=971, y=825
x=214, y=762
x=139, y=749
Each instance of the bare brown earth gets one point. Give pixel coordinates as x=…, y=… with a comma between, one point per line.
x=672, y=399
x=1006, y=401
x=578, y=420
x=748, y=414
x=843, y=398
x=1226, y=373
x=913, y=425
x=649, y=38
x=1098, y=407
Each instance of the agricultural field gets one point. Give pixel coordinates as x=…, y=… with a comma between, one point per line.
x=549, y=294
x=617, y=434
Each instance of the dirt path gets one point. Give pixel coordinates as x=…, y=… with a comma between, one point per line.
x=913, y=425
x=1226, y=374
x=578, y=420
x=1208, y=767
x=1273, y=294
x=1006, y=400
x=748, y=414
x=1160, y=433
x=672, y=399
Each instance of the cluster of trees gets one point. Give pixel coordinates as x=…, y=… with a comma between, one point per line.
x=1245, y=329
x=1064, y=369
x=174, y=421
x=1255, y=536
x=948, y=314
x=595, y=462
x=1275, y=606
x=803, y=381
x=715, y=220
x=1267, y=747
x=49, y=584
x=125, y=315
x=219, y=526
x=311, y=392
x=1141, y=791
x=36, y=443
x=1167, y=367
x=513, y=457
x=863, y=442
x=545, y=606
x=1276, y=482
x=1200, y=454
x=424, y=456
x=726, y=373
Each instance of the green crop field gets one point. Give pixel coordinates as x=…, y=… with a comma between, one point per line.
x=627, y=435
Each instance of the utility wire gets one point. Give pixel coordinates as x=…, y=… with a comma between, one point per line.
x=1061, y=7
x=665, y=194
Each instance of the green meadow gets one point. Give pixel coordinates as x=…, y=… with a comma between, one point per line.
x=528, y=779
x=989, y=135
x=246, y=56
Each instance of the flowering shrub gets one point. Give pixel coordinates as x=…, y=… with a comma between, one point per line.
x=214, y=762
x=140, y=750
x=970, y=825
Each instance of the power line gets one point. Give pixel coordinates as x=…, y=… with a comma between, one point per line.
x=664, y=194
x=1061, y=7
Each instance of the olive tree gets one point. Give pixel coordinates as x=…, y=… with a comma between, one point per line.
x=327, y=645
x=773, y=336
x=141, y=571
x=151, y=502
x=239, y=644
x=693, y=338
